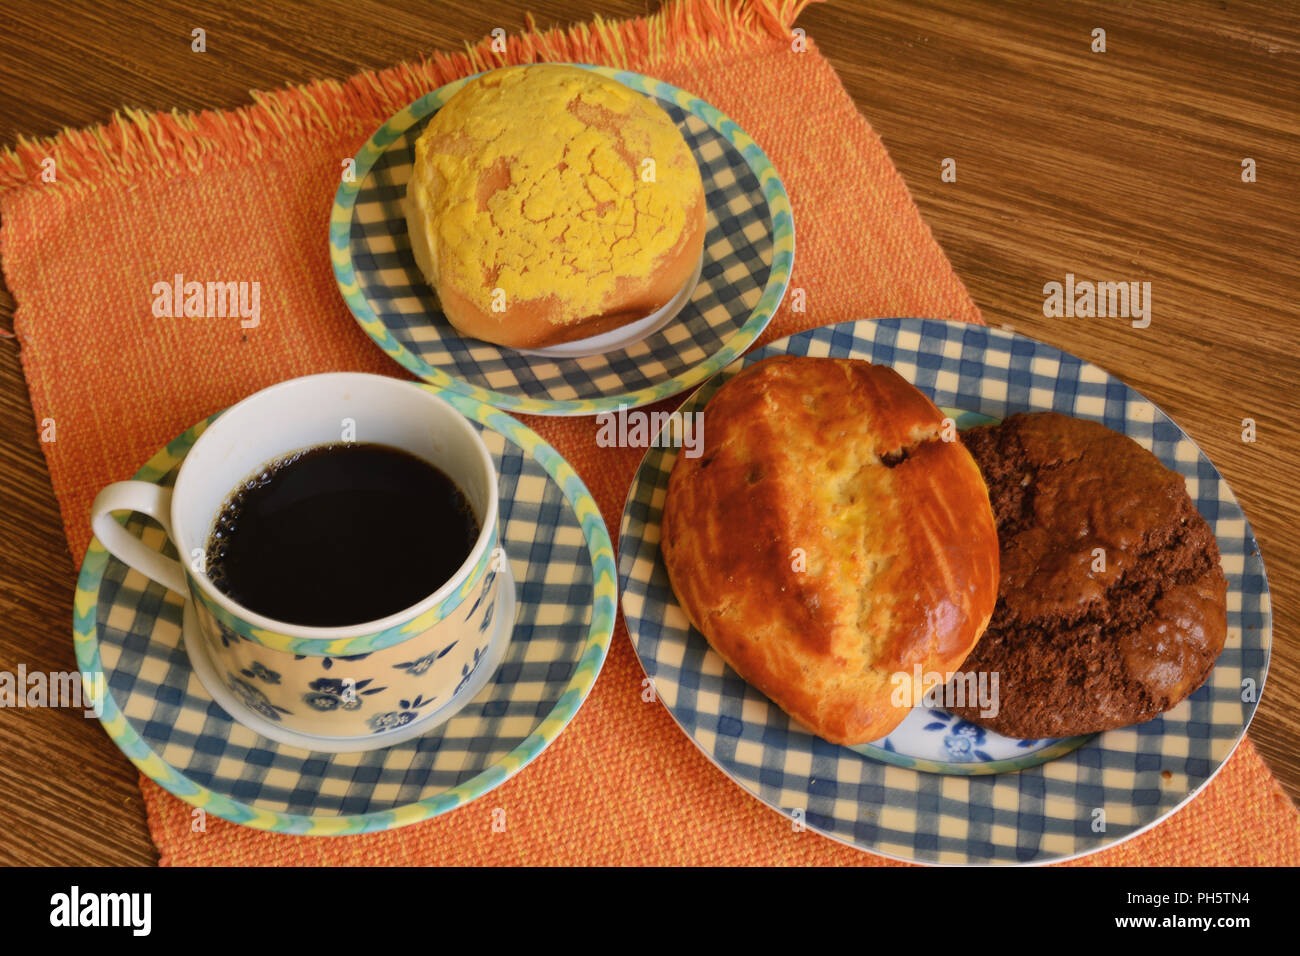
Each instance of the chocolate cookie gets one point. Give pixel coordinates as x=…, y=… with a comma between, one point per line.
x=1111, y=600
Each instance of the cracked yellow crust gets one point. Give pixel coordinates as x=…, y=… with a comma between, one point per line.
x=531, y=180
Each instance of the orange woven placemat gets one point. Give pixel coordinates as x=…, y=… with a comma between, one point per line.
x=246, y=195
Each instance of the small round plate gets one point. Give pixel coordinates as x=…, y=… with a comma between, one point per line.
x=919, y=795
x=628, y=335
x=159, y=713
x=748, y=253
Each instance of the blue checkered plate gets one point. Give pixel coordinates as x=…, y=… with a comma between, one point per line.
x=748, y=252
x=159, y=713
x=920, y=794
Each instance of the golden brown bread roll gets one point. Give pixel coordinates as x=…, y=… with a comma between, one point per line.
x=844, y=461
x=532, y=214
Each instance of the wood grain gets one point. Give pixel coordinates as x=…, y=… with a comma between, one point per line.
x=1119, y=166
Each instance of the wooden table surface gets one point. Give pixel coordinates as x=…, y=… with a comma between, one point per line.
x=1119, y=166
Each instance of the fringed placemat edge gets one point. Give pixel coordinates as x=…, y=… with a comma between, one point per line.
x=136, y=143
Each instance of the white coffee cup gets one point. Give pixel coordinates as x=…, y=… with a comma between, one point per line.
x=331, y=682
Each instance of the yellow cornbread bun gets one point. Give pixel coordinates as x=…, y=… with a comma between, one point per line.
x=828, y=540
x=549, y=203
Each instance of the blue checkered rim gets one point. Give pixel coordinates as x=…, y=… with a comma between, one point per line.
x=236, y=799
x=620, y=378
x=1109, y=789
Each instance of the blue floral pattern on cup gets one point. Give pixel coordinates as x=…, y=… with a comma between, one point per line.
x=254, y=699
x=328, y=662
x=391, y=720
x=468, y=670
x=483, y=592
x=400, y=718
x=228, y=635
x=422, y=664
x=259, y=671
x=332, y=693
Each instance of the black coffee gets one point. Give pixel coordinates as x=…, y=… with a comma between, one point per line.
x=340, y=534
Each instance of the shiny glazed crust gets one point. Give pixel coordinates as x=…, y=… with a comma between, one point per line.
x=828, y=539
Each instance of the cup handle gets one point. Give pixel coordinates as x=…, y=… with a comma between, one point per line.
x=152, y=500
